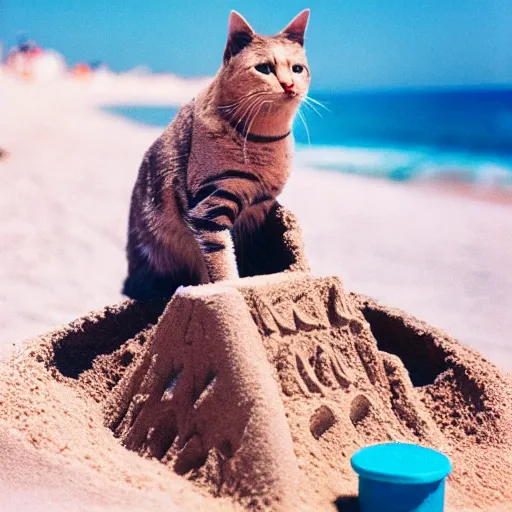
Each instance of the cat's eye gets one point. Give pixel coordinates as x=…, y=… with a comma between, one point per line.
x=265, y=68
x=297, y=68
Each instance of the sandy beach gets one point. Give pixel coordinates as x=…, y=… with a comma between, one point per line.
x=442, y=256
x=359, y=359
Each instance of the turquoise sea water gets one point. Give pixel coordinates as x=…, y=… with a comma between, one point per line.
x=400, y=135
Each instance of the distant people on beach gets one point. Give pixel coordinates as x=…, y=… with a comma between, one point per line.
x=29, y=60
x=20, y=58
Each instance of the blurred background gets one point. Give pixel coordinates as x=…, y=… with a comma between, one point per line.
x=403, y=179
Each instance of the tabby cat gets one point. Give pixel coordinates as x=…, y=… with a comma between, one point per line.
x=216, y=170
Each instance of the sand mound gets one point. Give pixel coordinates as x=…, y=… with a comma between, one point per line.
x=247, y=394
x=257, y=391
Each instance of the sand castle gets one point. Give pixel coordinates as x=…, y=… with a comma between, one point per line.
x=250, y=394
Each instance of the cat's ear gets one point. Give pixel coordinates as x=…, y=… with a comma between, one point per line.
x=240, y=35
x=296, y=29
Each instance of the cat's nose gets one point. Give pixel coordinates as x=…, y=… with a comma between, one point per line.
x=288, y=87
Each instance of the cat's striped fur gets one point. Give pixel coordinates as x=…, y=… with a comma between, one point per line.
x=214, y=174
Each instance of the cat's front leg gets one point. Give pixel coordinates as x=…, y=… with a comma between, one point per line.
x=218, y=252
x=214, y=206
x=211, y=224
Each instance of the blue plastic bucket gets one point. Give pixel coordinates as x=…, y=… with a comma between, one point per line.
x=400, y=477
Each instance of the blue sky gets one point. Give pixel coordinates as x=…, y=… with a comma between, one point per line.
x=351, y=43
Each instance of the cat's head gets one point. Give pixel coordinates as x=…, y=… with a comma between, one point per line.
x=269, y=73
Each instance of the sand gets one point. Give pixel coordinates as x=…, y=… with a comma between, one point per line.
x=246, y=394
x=252, y=393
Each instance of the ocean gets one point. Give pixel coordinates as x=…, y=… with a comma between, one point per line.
x=463, y=135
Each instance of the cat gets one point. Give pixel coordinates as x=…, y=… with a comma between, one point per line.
x=214, y=174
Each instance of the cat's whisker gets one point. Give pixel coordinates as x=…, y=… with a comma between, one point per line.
x=312, y=107
x=247, y=96
x=245, y=116
x=253, y=119
x=316, y=102
x=301, y=116
x=256, y=110
x=269, y=110
x=243, y=103
x=234, y=111
x=229, y=107
x=236, y=106
x=239, y=99
x=237, y=102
